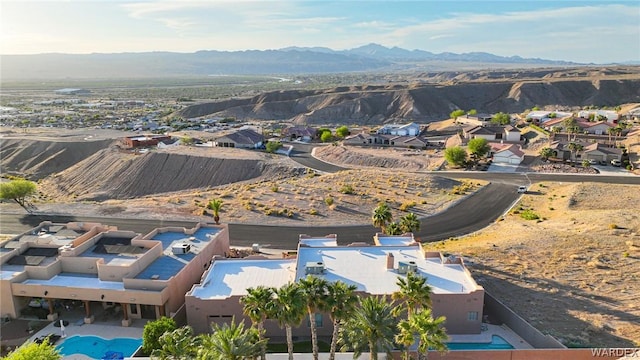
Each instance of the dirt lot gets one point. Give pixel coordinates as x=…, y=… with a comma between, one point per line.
x=574, y=273
x=332, y=199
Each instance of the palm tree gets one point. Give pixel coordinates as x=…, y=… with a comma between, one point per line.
x=215, y=205
x=424, y=329
x=315, y=296
x=575, y=148
x=289, y=310
x=381, y=216
x=341, y=302
x=611, y=131
x=405, y=337
x=257, y=305
x=393, y=229
x=176, y=344
x=430, y=333
x=569, y=125
x=414, y=293
x=410, y=223
x=371, y=327
x=230, y=342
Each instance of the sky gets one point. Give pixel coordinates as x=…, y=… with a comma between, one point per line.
x=572, y=30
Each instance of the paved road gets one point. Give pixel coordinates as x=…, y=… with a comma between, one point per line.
x=301, y=153
x=466, y=216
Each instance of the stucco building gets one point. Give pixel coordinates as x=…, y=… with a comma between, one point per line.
x=373, y=269
x=98, y=267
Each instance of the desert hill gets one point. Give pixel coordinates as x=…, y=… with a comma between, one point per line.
x=376, y=104
x=37, y=158
x=113, y=174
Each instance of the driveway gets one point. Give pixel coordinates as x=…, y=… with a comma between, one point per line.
x=612, y=170
x=502, y=168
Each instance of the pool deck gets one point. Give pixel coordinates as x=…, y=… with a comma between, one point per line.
x=101, y=330
x=485, y=337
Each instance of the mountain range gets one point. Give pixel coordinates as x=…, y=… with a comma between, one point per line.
x=291, y=60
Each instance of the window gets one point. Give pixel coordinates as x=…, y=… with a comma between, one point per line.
x=472, y=316
x=318, y=317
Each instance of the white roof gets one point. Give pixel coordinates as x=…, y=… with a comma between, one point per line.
x=77, y=282
x=228, y=278
x=538, y=114
x=395, y=240
x=365, y=267
x=319, y=242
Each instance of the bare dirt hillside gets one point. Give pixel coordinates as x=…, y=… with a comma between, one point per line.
x=113, y=174
x=420, y=101
x=573, y=273
x=344, y=198
x=390, y=158
x=37, y=158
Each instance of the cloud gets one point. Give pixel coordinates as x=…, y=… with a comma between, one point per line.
x=440, y=36
x=565, y=33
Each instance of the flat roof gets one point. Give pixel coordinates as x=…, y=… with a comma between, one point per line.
x=231, y=277
x=365, y=267
x=395, y=240
x=77, y=281
x=319, y=242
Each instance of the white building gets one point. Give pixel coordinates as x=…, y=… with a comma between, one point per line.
x=373, y=269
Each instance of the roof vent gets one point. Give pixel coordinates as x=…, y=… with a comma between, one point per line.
x=180, y=248
x=407, y=266
x=155, y=276
x=314, y=268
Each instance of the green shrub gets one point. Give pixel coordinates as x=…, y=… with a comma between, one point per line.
x=346, y=189
x=328, y=200
x=407, y=205
x=529, y=215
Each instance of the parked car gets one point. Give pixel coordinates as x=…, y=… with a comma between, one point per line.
x=593, y=161
x=522, y=189
x=616, y=162
x=602, y=162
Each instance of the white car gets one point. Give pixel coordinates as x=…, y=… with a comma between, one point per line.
x=522, y=189
x=593, y=162
x=616, y=162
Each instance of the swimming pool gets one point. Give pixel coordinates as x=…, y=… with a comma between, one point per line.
x=497, y=343
x=99, y=348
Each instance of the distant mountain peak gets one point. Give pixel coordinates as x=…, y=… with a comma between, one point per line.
x=289, y=60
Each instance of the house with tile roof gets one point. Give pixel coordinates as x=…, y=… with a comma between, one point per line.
x=507, y=154
x=506, y=133
x=601, y=153
x=243, y=138
x=410, y=129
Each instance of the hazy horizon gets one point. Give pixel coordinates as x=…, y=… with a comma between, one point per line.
x=579, y=31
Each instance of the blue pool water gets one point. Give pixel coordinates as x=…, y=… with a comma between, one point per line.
x=497, y=343
x=99, y=348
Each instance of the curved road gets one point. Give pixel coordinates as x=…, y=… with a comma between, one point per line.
x=471, y=214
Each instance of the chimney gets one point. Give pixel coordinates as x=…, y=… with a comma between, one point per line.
x=390, y=261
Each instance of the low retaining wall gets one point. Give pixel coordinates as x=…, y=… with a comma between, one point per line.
x=533, y=336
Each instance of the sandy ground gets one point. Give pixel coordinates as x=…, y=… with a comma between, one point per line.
x=572, y=274
x=332, y=199
x=396, y=158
